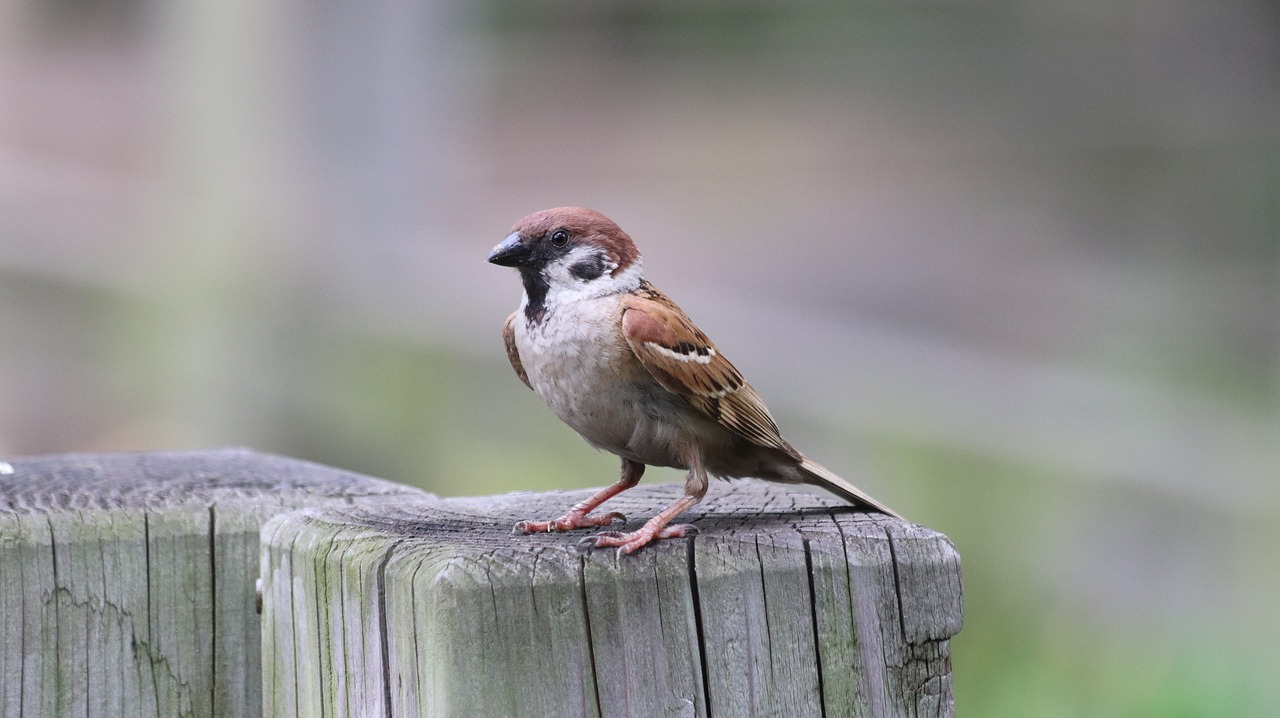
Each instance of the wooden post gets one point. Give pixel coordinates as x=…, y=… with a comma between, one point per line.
x=785, y=604
x=127, y=580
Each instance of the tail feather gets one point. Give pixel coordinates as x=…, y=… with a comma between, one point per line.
x=819, y=475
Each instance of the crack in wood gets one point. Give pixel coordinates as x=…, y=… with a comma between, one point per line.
x=813, y=619
x=586, y=622
x=382, y=624
x=699, y=625
x=897, y=584
x=213, y=612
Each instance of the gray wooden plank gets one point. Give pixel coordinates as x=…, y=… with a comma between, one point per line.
x=754, y=600
x=844, y=673
x=132, y=577
x=237, y=669
x=930, y=601
x=643, y=626
x=784, y=604
x=279, y=660
x=359, y=664
x=533, y=628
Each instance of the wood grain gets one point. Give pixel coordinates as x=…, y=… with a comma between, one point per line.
x=784, y=604
x=127, y=580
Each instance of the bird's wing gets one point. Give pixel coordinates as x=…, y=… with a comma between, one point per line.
x=684, y=361
x=513, y=354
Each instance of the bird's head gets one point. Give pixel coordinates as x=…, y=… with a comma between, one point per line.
x=570, y=252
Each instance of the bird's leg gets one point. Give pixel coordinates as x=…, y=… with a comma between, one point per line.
x=580, y=515
x=695, y=487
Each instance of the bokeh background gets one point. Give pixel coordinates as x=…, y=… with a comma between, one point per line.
x=1013, y=266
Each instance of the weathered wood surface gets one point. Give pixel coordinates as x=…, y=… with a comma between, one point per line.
x=127, y=580
x=785, y=604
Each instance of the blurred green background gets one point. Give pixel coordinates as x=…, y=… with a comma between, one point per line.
x=1012, y=266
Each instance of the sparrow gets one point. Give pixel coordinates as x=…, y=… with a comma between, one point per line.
x=620, y=363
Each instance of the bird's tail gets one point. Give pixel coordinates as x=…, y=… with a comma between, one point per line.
x=819, y=475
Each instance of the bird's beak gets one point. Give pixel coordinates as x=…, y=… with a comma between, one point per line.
x=512, y=252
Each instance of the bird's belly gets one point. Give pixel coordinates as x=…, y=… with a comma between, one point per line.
x=591, y=386
x=621, y=419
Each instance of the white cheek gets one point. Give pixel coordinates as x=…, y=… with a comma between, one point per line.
x=566, y=288
x=558, y=274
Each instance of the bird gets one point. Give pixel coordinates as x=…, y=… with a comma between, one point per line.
x=620, y=363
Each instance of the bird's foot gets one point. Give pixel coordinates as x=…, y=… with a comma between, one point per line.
x=629, y=542
x=568, y=522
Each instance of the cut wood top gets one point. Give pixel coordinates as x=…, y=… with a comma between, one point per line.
x=923, y=563
x=39, y=484
x=745, y=507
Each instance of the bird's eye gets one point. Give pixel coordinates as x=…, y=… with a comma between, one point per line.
x=560, y=237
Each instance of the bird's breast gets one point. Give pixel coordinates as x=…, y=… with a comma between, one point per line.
x=580, y=364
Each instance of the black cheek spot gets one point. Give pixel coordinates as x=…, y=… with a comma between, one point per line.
x=588, y=269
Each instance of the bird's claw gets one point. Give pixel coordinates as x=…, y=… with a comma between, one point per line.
x=630, y=542
x=587, y=543
x=613, y=517
x=569, y=522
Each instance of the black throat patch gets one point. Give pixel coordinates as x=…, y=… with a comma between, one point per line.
x=535, y=288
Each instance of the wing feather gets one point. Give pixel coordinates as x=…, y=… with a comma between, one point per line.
x=513, y=354
x=684, y=361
